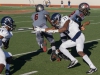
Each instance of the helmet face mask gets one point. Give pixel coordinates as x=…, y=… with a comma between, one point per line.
x=55, y=19
x=8, y=21
x=84, y=8
x=39, y=7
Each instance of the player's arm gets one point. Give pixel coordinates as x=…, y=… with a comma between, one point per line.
x=63, y=29
x=1, y=37
x=6, y=43
x=49, y=20
x=85, y=24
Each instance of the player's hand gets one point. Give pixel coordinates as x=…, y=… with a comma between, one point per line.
x=82, y=28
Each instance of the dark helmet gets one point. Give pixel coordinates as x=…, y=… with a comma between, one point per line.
x=39, y=7
x=8, y=21
x=55, y=17
x=84, y=7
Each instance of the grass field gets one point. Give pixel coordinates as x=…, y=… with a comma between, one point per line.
x=27, y=59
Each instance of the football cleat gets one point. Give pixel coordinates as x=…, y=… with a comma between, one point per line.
x=44, y=46
x=91, y=71
x=73, y=63
x=7, y=72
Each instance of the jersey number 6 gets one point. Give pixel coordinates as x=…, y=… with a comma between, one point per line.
x=36, y=16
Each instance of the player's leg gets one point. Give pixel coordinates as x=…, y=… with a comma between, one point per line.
x=8, y=62
x=63, y=49
x=40, y=40
x=63, y=37
x=2, y=60
x=79, y=48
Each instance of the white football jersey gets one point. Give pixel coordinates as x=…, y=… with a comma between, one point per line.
x=6, y=34
x=73, y=27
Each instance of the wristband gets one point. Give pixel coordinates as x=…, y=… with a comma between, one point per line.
x=56, y=30
x=43, y=30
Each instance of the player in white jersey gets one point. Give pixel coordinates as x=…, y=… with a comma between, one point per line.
x=65, y=24
x=5, y=34
x=40, y=19
x=78, y=16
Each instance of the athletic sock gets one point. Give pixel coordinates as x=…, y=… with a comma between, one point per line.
x=89, y=62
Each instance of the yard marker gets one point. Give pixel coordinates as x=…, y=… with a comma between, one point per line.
x=29, y=73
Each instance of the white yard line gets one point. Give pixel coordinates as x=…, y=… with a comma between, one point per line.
x=50, y=48
x=23, y=21
x=29, y=73
x=22, y=31
x=95, y=23
x=20, y=16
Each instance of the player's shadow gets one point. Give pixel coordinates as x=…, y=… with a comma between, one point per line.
x=17, y=63
x=87, y=47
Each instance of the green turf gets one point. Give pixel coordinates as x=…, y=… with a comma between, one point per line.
x=23, y=42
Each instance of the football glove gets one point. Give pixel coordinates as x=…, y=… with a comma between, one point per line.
x=39, y=29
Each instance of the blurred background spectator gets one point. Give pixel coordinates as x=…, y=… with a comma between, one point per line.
x=69, y=4
x=62, y=6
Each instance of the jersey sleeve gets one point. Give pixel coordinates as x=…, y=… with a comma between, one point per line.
x=64, y=19
x=45, y=12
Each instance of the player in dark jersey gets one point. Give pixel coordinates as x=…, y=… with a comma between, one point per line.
x=40, y=20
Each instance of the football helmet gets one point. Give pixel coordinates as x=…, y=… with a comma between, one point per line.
x=56, y=17
x=8, y=21
x=39, y=7
x=84, y=7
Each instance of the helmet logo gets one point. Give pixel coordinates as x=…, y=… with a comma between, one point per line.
x=8, y=19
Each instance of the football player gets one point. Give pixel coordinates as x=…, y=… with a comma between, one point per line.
x=78, y=16
x=40, y=19
x=7, y=25
x=77, y=38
